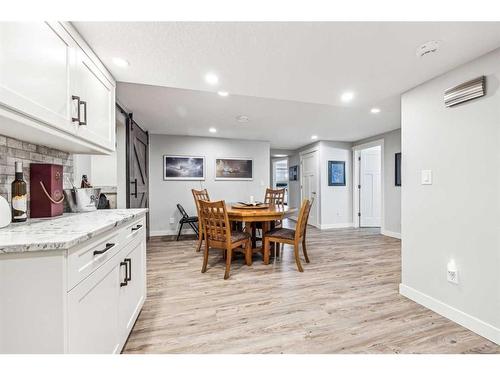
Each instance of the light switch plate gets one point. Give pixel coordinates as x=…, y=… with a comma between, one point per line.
x=426, y=177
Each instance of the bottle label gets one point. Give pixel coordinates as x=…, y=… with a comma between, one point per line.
x=20, y=206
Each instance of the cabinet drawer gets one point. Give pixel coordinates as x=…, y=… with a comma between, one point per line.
x=89, y=258
x=136, y=228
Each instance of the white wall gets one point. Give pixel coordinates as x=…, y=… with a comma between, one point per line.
x=164, y=195
x=392, y=193
x=335, y=206
x=336, y=201
x=457, y=217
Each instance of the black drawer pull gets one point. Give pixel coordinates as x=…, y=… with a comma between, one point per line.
x=139, y=226
x=129, y=268
x=124, y=283
x=108, y=246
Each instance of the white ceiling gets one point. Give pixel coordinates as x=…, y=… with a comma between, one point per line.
x=287, y=77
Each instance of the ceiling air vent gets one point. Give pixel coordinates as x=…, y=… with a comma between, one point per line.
x=475, y=88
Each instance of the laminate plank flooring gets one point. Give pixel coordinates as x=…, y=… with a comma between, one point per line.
x=346, y=301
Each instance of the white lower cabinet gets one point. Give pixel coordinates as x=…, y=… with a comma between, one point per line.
x=92, y=313
x=133, y=289
x=84, y=299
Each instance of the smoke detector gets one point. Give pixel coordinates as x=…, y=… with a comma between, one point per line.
x=427, y=48
x=242, y=118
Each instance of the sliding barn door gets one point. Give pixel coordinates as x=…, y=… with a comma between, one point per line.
x=137, y=167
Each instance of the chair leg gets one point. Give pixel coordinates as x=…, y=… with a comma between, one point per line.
x=194, y=227
x=200, y=240
x=228, y=263
x=179, y=234
x=266, y=250
x=297, y=260
x=205, y=258
x=254, y=234
x=304, y=250
x=248, y=253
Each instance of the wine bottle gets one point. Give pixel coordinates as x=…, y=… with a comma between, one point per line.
x=19, y=196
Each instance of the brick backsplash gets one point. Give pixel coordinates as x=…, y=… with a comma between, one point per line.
x=12, y=150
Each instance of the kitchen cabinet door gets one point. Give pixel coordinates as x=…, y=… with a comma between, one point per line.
x=35, y=62
x=133, y=294
x=93, y=314
x=97, y=107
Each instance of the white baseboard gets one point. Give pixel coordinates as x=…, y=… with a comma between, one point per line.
x=389, y=233
x=474, y=324
x=336, y=226
x=170, y=232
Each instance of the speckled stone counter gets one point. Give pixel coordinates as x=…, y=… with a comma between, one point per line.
x=62, y=232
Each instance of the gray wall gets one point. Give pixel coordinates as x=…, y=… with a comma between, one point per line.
x=457, y=217
x=392, y=193
x=164, y=195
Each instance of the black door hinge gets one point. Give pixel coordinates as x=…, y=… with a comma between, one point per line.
x=359, y=186
x=359, y=213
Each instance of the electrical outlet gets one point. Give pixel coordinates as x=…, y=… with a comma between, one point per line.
x=452, y=272
x=172, y=220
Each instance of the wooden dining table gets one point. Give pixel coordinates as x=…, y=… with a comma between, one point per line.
x=267, y=216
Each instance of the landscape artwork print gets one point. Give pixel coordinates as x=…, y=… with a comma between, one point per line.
x=233, y=169
x=183, y=167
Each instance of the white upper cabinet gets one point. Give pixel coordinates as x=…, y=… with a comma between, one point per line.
x=97, y=102
x=47, y=73
x=34, y=71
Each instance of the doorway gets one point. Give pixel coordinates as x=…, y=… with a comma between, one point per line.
x=368, y=186
x=280, y=175
x=309, y=183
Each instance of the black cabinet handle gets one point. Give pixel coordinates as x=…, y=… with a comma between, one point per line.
x=139, y=226
x=129, y=268
x=124, y=282
x=77, y=98
x=84, y=103
x=108, y=246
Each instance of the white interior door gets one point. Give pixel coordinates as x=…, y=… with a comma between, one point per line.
x=370, y=193
x=309, y=182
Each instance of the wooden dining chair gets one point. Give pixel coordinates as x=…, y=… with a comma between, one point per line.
x=275, y=197
x=200, y=195
x=290, y=236
x=218, y=234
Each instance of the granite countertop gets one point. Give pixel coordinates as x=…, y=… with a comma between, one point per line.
x=62, y=232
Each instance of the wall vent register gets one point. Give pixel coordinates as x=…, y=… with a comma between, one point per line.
x=475, y=88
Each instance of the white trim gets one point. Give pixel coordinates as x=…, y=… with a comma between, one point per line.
x=336, y=226
x=389, y=233
x=468, y=321
x=355, y=178
x=318, y=181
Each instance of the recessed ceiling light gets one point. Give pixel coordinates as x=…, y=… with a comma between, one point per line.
x=427, y=48
x=375, y=110
x=347, y=96
x=313, y=137
x=242, y=118
x=211, y=79
x=222, y=93
x=122, y=63
x=279, y=155
x=212, y=130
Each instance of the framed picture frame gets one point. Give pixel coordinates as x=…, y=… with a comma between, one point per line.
x=397, y=169
x=233, y=169
x=183, y=168
x=336, y=173
x=293, y=173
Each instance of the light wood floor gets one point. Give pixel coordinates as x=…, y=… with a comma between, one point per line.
x=346, y=301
